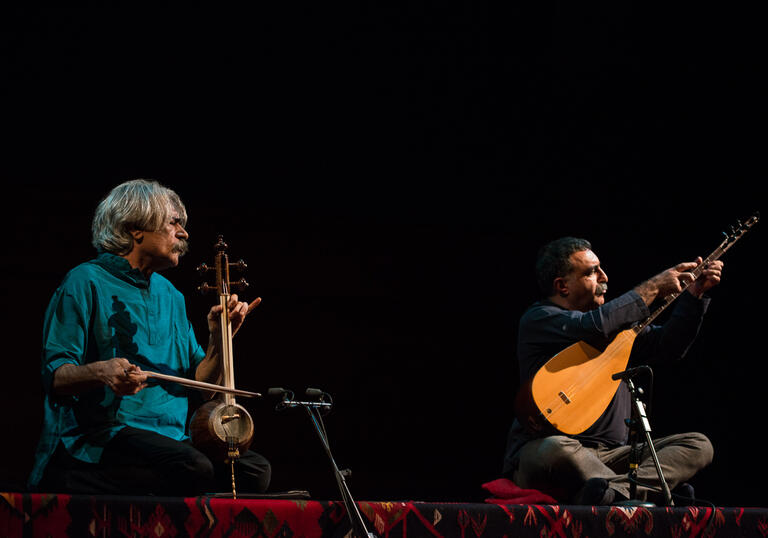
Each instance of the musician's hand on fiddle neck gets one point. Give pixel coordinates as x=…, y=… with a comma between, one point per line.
x=238, y=310
x=210, y=368
x=709, y=278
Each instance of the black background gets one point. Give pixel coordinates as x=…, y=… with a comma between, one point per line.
x=388, y=174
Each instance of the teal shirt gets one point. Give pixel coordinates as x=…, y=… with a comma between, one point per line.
x=105, y=309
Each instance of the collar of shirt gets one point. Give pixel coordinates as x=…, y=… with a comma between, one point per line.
x=119, y=267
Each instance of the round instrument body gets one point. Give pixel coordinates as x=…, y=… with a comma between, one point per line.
x=215, y=423
x=574, y=388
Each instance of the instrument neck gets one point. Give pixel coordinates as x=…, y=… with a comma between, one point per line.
x=669, y=299
x=227, y=363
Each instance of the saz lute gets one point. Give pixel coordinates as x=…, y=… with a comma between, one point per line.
x=573, y=389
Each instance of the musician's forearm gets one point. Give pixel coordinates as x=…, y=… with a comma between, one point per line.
x=73, y=379
x=695, y=291
x=210, y=370
x=117, y=373
x=648, y=290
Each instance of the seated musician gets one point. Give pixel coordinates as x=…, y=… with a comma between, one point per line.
x=106, y=429
x=592, y=467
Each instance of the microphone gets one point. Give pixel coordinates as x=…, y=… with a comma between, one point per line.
x=321, y=399
x=314, y=393
x=323, y=402
x=285, y=396
x=630, y=372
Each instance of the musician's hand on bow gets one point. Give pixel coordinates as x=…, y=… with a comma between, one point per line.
x=709, y=277
x=237, y=311
x=118, y=374
x=121, y=376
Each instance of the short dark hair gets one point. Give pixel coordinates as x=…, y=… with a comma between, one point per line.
x=553, y=261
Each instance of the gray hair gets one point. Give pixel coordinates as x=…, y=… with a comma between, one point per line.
x=139, y=204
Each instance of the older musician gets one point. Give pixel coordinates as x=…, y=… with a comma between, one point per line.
x=106, y=430
x=592, y=467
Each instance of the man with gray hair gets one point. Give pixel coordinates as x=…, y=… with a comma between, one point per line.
x=106, y=430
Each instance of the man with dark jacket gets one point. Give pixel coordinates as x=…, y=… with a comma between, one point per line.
x=592, y=467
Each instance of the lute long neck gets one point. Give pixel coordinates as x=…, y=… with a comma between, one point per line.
x=730, y=239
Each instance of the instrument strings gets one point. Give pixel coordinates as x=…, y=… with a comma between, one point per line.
x=581, y=381
x=719, y=251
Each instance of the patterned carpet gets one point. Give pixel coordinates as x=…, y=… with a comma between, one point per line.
x=42, y=515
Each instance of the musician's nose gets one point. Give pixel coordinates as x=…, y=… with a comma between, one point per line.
x=601, y=275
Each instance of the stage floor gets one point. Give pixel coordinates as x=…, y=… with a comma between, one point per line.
x=33, y=515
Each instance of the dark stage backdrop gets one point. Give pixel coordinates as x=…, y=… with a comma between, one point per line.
x=388, y=174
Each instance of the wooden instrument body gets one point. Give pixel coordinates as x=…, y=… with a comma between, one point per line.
x=216, y=423
x=222, y=428
x=574, y=387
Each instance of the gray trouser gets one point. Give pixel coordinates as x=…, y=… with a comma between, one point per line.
x=559, y=465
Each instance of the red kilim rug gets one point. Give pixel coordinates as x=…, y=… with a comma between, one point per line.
x=44, y=515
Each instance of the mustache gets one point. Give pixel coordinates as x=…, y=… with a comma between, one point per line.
x=182, y=247
x=601, y=289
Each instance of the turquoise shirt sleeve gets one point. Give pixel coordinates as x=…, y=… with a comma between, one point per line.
x=65, y=340
x=65, y=336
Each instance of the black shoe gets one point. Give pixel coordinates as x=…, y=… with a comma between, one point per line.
x=595, y=492
x=683, y=495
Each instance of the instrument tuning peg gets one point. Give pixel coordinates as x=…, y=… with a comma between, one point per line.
x=240, y=284
x=203, y=268
x=205, y=288
x=239, y=264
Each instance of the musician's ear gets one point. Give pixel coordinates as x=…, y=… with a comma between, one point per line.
x=560, y=286
x=138, y=235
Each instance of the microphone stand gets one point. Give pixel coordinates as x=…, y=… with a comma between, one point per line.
x=313, y=410
x=639, y=419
